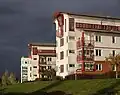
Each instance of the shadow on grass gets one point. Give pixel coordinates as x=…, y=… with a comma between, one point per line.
x=2, y=91
x=109, y=90
x=42, y=91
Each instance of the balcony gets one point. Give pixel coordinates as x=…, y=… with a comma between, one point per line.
x=86, y=58
x=87, y=44
x=89, y=58
x=89, y=66
x=42, y=63
x=58, y=34
x=79, y=58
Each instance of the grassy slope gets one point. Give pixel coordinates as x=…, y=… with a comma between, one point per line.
x=78, y=87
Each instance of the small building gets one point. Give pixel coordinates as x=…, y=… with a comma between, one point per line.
x=26, y=69
x=41, y=56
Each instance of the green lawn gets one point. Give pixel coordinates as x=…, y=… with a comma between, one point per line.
x=75, y=87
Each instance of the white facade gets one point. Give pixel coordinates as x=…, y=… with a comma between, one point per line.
x=30, y=67
x=48, y=58
x=26, y=69
x=104, y=45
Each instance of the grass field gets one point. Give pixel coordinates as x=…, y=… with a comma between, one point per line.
x=74, y=87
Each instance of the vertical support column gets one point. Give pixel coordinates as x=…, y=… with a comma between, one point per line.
x=94, y=67
x=82, y=44
x=39, y=66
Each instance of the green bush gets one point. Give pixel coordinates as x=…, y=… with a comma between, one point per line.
x=58, y=78
x=110, y=74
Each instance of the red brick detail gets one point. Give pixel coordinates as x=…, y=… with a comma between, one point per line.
x=47, y=51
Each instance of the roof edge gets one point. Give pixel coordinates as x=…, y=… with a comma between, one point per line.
x=56, y=14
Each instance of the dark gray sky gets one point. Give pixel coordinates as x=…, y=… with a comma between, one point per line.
x=24, y=21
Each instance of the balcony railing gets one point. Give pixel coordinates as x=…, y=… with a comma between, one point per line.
x=87, y=43
x=86, y=58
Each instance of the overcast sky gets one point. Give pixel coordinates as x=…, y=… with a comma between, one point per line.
x=24, y=21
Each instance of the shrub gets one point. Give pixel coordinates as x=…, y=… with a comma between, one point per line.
x=58, y=78
x=92, y=76
x=42, y=79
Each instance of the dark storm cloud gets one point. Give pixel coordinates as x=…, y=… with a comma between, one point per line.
x=24, y=21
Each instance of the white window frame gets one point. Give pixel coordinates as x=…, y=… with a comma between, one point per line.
x=89, y=68
x=114, y=52
x=72, y=52
x=71, y=37
x=99, y=65
x=114, y=39
x=114, y=68
x=99, y=38
x=99, y=51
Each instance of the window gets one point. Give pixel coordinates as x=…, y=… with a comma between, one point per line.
x=71, y=38
x=72, y=51
x=30, y=75
x=61, y=68
x=49, y=67
x=114, y=67
x=98, y=52
x=34, y=66
x=35, y=59
x=71, y=24
x=35, y=51
x=71, y=65
x=89, y=66
x=30, y=68
x=65, y=25
x=61, y=41
x=49, y=59
x=42, y=60
x=62, y=55
x=113, y=39
x=99, y=67
x=24, y=67
x=35, y=75
x=98, y=38
x=113, y=52
x=25, y=62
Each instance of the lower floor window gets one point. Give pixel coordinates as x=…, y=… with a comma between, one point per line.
x=35, y=75
x=71, y=65
x=49, y=67
x=89, y=66
x=98, y=67
x=61, y=68
x=114, y=67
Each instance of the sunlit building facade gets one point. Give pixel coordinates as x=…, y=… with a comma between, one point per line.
x=83, y=42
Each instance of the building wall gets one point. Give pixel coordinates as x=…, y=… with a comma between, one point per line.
x=106, y=46
x=25, y=73
x=32, y=65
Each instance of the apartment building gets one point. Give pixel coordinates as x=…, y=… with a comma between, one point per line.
x=26, y=69
x=41, y=56
x=83, y=42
